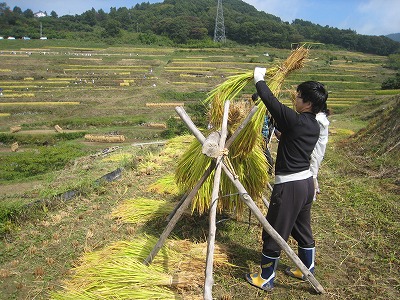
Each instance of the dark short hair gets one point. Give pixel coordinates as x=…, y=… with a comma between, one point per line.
x=314, y=92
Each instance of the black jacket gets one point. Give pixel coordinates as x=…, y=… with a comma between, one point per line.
x=299, y=133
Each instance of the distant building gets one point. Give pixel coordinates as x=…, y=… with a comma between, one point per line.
x=40, y=14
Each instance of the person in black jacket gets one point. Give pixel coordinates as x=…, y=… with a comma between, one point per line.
x=292, y=195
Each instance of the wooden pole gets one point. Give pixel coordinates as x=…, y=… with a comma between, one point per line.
x=185, y=118
x=180, y=209
x=209, y=281
x=185, y=201
x=173, y=212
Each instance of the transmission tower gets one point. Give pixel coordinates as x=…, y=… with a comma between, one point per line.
x=219, y=31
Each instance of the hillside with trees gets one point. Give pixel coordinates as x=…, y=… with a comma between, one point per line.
x=188, y=22
x=394, y=36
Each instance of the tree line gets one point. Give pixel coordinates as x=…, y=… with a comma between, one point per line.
x=188, y=22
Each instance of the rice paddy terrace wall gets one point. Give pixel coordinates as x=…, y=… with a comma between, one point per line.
x=42, y=86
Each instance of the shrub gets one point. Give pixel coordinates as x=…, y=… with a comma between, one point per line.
x=174, y=127
x=391, y=83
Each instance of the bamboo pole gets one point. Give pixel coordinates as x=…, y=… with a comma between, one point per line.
x=209, y=281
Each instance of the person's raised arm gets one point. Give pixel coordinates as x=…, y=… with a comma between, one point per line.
x=282, y=114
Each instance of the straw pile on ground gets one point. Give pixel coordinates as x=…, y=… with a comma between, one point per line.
x=118, y=272
x=164, y=186
x=105, y=138
x=141, y=210
x=14, y=147
x=246, y=153
x=58, y=129
x=14, y=129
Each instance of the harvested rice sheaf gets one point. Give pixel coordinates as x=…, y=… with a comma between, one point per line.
x=118, y=272
x=118, y=157
x=150, y=164
x=246, y=152
x=164, y=185
x=141, y=210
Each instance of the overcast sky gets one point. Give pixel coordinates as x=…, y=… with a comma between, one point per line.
x=371, y=17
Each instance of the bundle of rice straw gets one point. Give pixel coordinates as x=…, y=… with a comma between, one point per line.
x=164, y=186
x=246, y=153
x=142, y=210
x=118, y=272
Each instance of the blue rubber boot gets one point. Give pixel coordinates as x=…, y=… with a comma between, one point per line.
x=307, y=256
x=264, y=279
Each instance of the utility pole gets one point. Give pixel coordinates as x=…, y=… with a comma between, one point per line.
x=219, y=31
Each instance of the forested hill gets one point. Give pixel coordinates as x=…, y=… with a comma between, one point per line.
x=186, y=22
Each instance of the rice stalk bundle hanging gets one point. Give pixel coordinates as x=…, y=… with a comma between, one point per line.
x=118, y=272
x=246, y=152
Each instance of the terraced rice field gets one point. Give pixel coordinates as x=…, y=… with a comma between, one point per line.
x=41, y=87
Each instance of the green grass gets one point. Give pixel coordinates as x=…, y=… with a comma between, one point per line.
x=39, y=139
x=387, y=92
x=37, y=161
